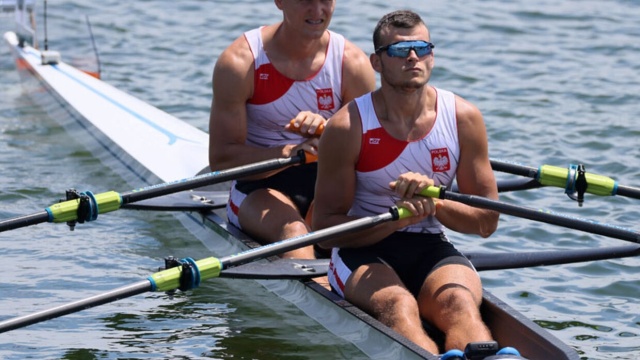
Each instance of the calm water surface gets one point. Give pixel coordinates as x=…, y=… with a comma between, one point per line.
x=557, y=81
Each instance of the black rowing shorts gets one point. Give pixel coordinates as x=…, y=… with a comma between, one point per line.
x=412, y=255
x=297, y=182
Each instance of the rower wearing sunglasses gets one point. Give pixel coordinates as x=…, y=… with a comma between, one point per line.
x=381, y=150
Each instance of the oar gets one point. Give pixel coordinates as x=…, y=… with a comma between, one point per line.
x=190, y=273
x=484, y=261
x=86, y=206
x=302, y=269
x=205, y=200
x=571, y=179
x=503, y=185
x=544, y=216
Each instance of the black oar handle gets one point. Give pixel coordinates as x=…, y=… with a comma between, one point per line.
x=109, y=201
x=513, y=168
x=23, y=221
x=540, y=215
x=628, y=191
x=483, y=261
x=111, y=296
x=211, y=178
x=311, y=238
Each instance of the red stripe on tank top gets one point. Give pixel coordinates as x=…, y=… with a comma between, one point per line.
x=269, y=85
x=378, y=150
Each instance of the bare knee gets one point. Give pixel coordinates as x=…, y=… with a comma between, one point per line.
x=395, y=308
x=458, y=315
x=454, y=304
x=293, y=229
x=271, y=216
x=458, y=298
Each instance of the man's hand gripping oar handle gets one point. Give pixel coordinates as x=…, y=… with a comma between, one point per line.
x=296, y=129
x=293, y=128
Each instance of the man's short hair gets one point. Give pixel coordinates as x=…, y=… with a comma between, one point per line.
x=404, y=19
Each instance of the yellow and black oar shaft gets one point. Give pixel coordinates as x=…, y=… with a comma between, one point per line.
x=540, y=215
x=86, y=206
x=190, y=273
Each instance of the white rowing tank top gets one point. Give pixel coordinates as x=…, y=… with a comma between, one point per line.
x=277, y=99
x=383, y=158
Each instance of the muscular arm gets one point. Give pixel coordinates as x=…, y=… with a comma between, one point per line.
x=336, y=183
x=474, y=176
x=338, y=153
x=358, y=77
x=232, y=87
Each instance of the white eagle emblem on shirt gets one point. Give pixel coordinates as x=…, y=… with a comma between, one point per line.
x=440, y=161
x=325, y=99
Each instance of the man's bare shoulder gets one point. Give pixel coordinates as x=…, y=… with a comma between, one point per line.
x=233, y=75
x=347, y=120
x=236, y=58
x=471, y=127
x=354, y=56
x=466, y=111
x=358, y=74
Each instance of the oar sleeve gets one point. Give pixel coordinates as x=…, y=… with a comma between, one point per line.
x=559, y=177
x=98, y=204
x=170, y=279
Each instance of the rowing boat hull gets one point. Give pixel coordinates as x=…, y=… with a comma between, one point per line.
x=123, y=129
x=117, y=118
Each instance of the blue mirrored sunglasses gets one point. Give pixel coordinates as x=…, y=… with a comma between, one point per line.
x=403, y=48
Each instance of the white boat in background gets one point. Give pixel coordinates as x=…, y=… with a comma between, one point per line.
x=148, y=146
